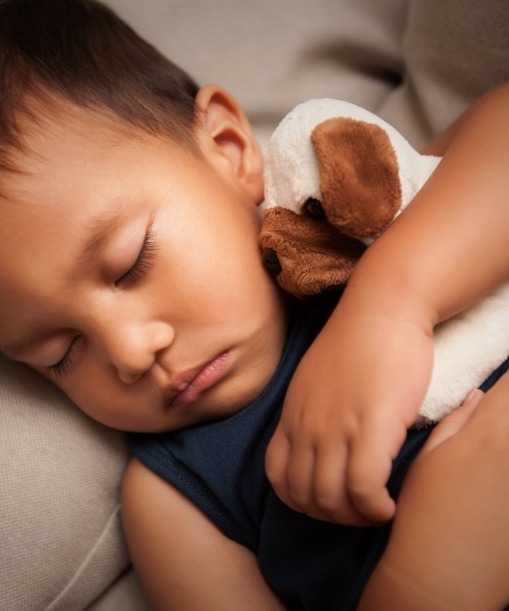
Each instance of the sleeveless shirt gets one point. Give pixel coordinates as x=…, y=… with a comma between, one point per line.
x=310, y=564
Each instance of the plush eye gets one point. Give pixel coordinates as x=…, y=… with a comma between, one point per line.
x=313, y=207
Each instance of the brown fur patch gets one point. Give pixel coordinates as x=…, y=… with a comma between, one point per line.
x=359, y=177
x=313, y=255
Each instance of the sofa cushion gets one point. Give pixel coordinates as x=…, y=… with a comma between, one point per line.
x=62, y=543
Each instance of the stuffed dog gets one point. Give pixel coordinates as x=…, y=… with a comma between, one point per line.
x=336, y=176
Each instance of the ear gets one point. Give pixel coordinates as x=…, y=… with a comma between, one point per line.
x=359, y=176
x=225, y=137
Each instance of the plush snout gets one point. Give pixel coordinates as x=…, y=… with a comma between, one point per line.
x=307, y=252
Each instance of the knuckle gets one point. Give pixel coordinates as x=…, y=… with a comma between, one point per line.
x=361, y=491
x=275, y=476
x=360, y=484
x=372, y=502
x=329, y=500
x=300, y=497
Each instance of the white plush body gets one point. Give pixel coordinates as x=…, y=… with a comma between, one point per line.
x=468, y=347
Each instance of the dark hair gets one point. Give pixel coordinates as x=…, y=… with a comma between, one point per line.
x=81, y=51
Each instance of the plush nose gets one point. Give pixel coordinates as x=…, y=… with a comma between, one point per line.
x=271, y=260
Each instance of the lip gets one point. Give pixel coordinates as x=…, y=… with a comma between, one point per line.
x=189, y=385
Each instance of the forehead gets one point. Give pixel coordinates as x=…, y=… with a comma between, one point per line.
x=52, y=130
x=66, y=149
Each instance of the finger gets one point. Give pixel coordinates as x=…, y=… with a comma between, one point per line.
x=369, y=493
x=276, y=464
x=299, y=476
x=454, y=421
x=369, y=468
x=330, y=492
x=296, y=475
x=289, y=466
x=291, y=477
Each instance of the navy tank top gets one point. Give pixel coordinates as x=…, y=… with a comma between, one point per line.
x=310, y=564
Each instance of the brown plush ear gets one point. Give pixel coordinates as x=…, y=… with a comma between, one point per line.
x=312, y=254
x=359, y=178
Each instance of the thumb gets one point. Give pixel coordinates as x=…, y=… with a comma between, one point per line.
x=455, y=421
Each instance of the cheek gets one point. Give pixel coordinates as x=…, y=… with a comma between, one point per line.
x=211, y=239
x=97, y=393
x=208, y=269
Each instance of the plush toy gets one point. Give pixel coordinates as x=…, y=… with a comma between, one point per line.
x=336, y=176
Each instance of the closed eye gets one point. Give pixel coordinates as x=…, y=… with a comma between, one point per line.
x=143, y=261
x=64, y=364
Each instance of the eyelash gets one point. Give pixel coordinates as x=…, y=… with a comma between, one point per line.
x=62, y=367
x=141, y=266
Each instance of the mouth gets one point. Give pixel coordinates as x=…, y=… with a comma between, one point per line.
x=189, y=385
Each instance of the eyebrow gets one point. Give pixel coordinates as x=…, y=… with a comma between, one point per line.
x=14, y=350
x=98, y=230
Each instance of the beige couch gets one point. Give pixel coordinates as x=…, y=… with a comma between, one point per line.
x=414, y=61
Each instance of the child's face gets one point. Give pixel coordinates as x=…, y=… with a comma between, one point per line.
x=130, y=275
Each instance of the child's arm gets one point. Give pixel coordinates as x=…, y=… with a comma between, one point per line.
x=182, y=560
x=449, y=547
x=361, y=383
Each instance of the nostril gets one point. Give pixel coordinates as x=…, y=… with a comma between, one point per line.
x=270, y=259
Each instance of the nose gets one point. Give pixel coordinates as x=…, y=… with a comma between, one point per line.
x=128, y=378
x=134, y=350
x=131, y=345
x=271, y=260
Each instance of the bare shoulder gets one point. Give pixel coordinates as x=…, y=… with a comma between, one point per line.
x=140, y=484
x=175, y=549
